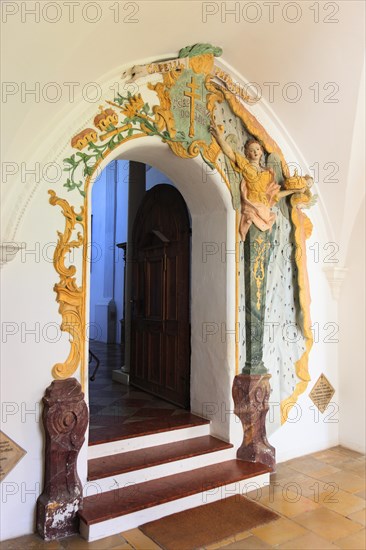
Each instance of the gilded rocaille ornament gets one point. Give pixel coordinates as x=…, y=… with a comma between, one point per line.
x=70, y=296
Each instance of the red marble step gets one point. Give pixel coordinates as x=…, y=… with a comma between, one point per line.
x=132, y=498
x=119, y=430
x=152, y=456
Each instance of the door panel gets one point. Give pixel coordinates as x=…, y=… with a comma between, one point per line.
x=160, y=343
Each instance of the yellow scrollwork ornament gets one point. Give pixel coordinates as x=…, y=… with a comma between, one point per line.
x=69, y=295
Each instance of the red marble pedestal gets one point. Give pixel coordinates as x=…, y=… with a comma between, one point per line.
x=251, y=394
x=65, y=419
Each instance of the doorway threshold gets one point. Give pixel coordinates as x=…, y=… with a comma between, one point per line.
x=116, y=431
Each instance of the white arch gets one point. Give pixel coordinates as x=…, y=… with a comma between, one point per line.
x=213, y=301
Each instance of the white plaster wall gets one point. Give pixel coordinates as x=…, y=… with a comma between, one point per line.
x=352, y=358
x=352, y=297
x=27, y=304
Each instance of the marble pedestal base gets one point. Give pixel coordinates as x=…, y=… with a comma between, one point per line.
x=251, y=394
x=65, y=419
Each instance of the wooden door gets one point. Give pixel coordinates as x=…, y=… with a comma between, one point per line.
x=160, y=331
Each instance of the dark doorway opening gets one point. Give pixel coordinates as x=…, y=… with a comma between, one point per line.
x=144, y=325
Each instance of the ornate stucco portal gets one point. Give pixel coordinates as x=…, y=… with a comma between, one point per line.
x=196, y=110
x=188, y=95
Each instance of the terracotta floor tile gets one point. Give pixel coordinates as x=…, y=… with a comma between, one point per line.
x=345, y=463
x=308, y=541
x=306, y=486
x=282, y=470
x=349, y=452
x=324, y=470
x=357, y=541
x=359, y=517
x=341, y=502
x=346, y=481
x=312, y=467
x=336, y=454
x=279, y=531
x=261, y=494
x=228, y=541
x=289, y=504
x=328, y=524
x=291, y=476
x=358, y=468
x=139, y=541
x=361, y=494
x=328, y=454
x=250, y=543
x=114, y=542
x=331, y=458
x=31, y=542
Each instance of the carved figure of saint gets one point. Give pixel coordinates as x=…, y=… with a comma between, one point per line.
x=258, y=188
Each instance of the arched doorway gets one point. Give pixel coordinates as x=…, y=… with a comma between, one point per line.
x=212, y=274
x=160, y=324
x=128, y=204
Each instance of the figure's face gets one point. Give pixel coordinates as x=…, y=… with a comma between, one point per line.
x=254, y=152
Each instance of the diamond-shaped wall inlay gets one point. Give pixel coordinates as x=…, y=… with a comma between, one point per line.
x=322, y=393
x=10, y=454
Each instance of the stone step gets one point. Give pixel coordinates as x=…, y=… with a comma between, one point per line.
x=115, y=511
x=121, y=438
x=117, y=470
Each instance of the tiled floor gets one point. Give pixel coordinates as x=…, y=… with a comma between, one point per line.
x=320, y=499
x=117, y=410
x=114, y=402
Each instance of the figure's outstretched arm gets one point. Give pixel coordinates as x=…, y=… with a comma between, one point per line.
x=282, y=194
x=221, y=141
